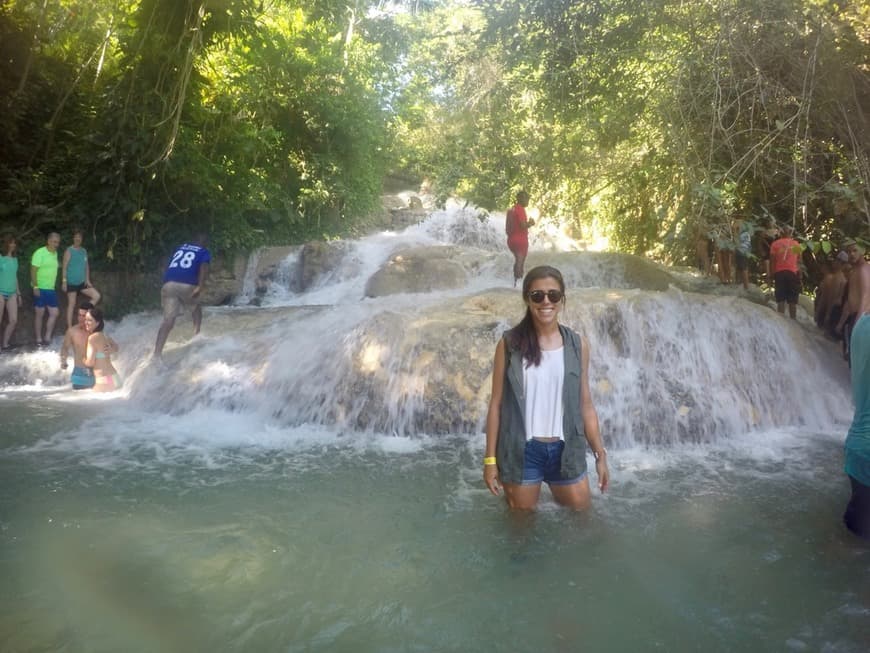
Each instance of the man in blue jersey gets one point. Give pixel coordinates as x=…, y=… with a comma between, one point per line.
x=183, y=282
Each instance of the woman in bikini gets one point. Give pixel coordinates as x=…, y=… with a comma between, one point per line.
x=98, y=355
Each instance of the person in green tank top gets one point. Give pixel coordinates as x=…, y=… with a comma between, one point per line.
x=76, y=276
x=10, y=297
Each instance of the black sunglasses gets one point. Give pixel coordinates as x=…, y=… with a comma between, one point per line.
x=555, y=296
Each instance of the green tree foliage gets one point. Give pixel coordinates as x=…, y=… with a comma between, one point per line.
x=148, y=120
x=658, y=119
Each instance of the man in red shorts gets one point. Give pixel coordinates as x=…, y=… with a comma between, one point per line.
x=785, y=267
x=517, y=225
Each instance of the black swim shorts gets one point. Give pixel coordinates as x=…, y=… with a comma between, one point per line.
x=857, y=517
x=787, y=286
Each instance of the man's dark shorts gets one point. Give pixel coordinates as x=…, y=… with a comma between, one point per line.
x=741, y=261
x=787, y=286
x=857, y=517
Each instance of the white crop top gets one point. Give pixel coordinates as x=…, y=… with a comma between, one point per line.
x=543, y=387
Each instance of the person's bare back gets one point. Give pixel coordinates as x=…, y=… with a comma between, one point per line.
x=76, y=337
x=859, y=289
x=858, y=295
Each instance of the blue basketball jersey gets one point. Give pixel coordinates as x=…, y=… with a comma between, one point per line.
x=184, y=264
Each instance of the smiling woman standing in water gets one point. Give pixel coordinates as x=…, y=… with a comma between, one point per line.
x=541, y=406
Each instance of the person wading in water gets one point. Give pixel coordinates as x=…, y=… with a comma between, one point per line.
x=541, y=414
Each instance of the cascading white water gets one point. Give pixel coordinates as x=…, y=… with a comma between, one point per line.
x=667, y=365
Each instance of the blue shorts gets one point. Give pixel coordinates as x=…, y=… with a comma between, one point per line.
x=543, y=462
x=82, y=378
x=46, y=299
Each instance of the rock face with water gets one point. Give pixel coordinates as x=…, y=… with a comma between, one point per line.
x=666, y=367
x=320, y=259
x=424, y=373
x=397, y=335
x=424, y=269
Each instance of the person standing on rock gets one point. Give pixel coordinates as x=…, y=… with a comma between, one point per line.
x=785, y=267
x=183, y=283
x=517, y=225
x=851, y=293
x=742, y=252
x=857, y=446
x=76, y=276
x=43, y=279
x=541, y=405
x=10, y=295
x=828, y=306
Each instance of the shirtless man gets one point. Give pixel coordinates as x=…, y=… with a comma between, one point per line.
x=76, y=337
x=829, y=296
x=853, y=295
x=857, y=447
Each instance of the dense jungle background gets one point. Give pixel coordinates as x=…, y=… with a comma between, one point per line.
x=646, y=122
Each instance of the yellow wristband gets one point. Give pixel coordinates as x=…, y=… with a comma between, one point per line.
x=490, y=460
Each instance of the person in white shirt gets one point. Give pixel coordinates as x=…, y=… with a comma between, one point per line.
x=541, y=414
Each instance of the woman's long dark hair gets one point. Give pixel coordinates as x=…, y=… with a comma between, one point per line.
x=523, y=336
x=8, y=239
x=97, y=314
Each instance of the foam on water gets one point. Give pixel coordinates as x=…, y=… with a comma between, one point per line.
x=208, y=438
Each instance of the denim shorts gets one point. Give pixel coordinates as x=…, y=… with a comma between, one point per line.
x=543, y=462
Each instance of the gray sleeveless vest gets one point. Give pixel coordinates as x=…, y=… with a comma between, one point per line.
x=510, y=448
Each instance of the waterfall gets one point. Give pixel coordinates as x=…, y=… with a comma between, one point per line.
x=674, y=357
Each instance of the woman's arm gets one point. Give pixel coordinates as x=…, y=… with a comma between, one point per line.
x=490, y=472
x=87, y=270
x=66, y=258
x=590, y=422
x=33, y=271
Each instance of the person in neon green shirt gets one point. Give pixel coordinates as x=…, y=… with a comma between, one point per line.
x=43, y=280
x=10, y=298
